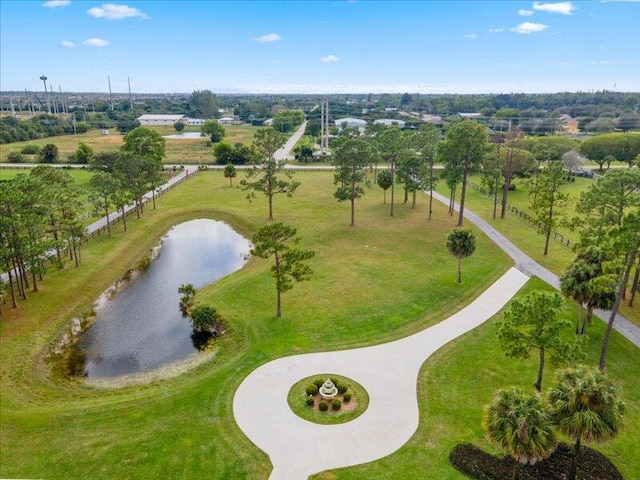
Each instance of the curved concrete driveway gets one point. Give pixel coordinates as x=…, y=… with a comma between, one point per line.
x=529, y=266
x=297, y=448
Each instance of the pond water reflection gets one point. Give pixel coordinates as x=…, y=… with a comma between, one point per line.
x=141, y=328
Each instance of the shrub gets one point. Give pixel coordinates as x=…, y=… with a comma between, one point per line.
x=342, y=389
x=15, y=157
x=311, y=400
x=30, y=149
x=346, y=397
x=336, y=382
x=318, y=382
x=336, y=404
x=49, y=153
x=311, y=390
x=82, y=127
x=323, y=405
x=143, y=263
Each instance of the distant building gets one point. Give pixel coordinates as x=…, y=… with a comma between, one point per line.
x=350, y=123
x=230, y=120
x=470, y=115
x=268, y=122
x=389, y=122
x=194, y=121
x=149, y=119
x=431, y=118
x=391, y=109
x=568, y=124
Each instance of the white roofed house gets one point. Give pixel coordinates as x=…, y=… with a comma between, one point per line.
x=470, y=115
x=150, y=119
x=390, y=122
x=351, y=123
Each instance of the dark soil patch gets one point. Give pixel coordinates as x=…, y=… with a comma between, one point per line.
x=479, y=465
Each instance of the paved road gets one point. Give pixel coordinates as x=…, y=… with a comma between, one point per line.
x=188, y=170
x=530, y=267
x=284, y=153
x=102, y=222
x=298, y=448
x=523, y=262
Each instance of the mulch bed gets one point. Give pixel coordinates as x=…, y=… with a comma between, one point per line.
x=346, y=406
x=479, y=465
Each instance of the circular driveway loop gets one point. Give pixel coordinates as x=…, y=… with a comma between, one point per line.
x=298, y=448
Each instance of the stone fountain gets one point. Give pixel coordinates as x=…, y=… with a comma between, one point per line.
x=328, y=390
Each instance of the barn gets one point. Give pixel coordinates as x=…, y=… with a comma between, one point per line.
x=150, y=120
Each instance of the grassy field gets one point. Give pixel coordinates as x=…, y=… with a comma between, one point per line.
x=178, y=151
x=524, y=234
x=456, y=383
x=384, y=279
x=81, y=177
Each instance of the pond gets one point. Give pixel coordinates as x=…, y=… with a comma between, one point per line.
x=184, y=135
x=141, y=327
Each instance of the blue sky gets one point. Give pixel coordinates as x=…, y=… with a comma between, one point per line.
x=321, y=46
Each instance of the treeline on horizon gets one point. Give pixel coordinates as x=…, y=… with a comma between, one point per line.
x=597, y=112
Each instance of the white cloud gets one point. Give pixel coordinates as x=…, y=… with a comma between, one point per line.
x=56, y=3
x=525, y=13
x=67, y=44
x=471, y=36
x=111, y=11
x=563, y=8
x=329, y=59
x=496, y=30
x=529, y=27
x=95, y=42
x=268, y=38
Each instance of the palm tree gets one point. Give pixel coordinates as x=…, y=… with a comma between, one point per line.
x=580, y=283
x=586, y=407
x=205, y=318
x=186, y=300
x=574, y=284
x=461, y=243
x=520, y=423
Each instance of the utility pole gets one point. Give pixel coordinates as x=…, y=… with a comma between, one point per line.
x=322, y=125
x=29, y=103
x=46, y=92
x=65, y=102
x=53, y=101
x=326, y=125
x=130, y=99
x=110, y=96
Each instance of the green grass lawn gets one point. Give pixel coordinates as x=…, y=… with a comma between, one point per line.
x=384, y=279
x=80, y=177
x=178, y=151
x=462, y=377
x=524, y=234
x=398, y=279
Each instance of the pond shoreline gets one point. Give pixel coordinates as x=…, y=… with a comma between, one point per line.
x=134, y=332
